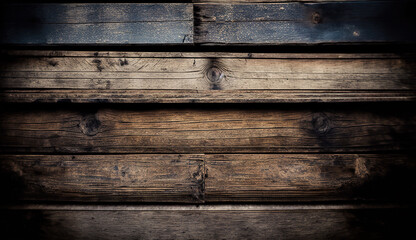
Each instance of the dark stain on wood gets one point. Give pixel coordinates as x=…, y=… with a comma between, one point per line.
x=98, y=64
x=123, y=62
x=90, y=125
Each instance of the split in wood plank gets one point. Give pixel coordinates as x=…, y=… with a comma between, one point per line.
x=207, y=178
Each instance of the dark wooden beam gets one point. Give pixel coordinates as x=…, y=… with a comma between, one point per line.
x=305, y=23
x=208, y=222
x=96, y=24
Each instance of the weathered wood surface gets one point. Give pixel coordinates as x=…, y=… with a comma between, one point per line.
x=288, y=22
x=186, y=77
x=209, y=129
x=281, y=1
x=305, y=23
x=254, y=177
x=207, y=178
x=97, y=23
x=215, y=222
x=201, y=96
x=104, y=178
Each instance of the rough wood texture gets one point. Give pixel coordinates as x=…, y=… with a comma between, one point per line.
x=112, y=178
x=305, y=23
x=278, y=1
x=216, y=223
x=202, y=96
x=207, y=178
x=137, y=77
x=254, y=177
x=209, y=129
x=97, y=23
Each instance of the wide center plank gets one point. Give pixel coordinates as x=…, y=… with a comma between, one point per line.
x=214, y=129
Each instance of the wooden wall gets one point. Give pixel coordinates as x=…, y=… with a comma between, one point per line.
x=208, y=120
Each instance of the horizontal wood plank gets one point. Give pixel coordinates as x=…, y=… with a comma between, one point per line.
x=278, y=1
x=305, y=23
x=207, y=178
x=122, y=77
x=194, y=223
x=202, y=96
x=214, y=129
x=105, y=178
x=97, y=23
x=322, y=177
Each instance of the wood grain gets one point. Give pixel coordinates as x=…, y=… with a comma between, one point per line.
x=97, y=23
x=112, y=178
x=186, y=77
x=304, y=23
x=207, y=178
x=194, y=223
x=211, y=129
x=323, y=177
x=203, y=96
x=279, y=1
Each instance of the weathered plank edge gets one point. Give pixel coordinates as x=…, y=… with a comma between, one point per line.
x=201, y=207
x=203, y=96
x=253, y=55
x=384, y=223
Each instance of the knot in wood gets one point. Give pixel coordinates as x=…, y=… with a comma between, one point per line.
x=215, y=75
x=316, y=18
x=90, y=125
x=321, y=124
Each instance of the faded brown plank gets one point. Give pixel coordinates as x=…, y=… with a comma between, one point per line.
x=207, y=178
x=214, y=129
x=263, y=177
x=112, y=178
x=53, y=76
x=216, y=223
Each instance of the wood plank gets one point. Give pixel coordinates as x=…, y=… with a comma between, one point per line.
x=202, y=96
x=318, y=177
x=193, y=223
x=278, y=1
x=97, y=23
x=105, y=178
x=207, y=178
x=305, y=23
x=209, y=129
x=55, y=76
